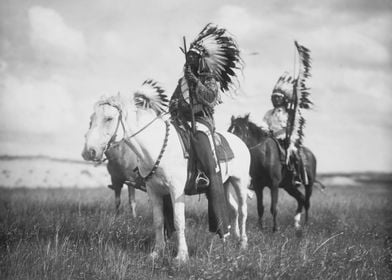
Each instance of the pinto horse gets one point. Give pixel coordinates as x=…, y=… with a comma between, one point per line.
x=161, y=163
x=268, y=170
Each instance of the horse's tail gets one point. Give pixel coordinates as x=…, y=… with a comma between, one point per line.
x=320, y=185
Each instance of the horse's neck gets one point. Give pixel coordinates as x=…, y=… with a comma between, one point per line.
x=145, y=136
x=257, y=137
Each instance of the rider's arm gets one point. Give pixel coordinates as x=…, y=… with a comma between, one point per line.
x=265, y=123
x=207, y=92
x=206, y=89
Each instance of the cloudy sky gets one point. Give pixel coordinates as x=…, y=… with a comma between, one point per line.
x=58, y=57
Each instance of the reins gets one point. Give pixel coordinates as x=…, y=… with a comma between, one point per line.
x=255, y=146
x=127, y=141
x=113, y=138
x=158, y=161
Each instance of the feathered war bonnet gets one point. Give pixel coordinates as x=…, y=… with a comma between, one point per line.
x=151, y=95
x=284, y=86
x=219, y=55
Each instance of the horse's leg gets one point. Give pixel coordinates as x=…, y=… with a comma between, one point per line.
x=274, y=203
x=116, y=186
x=293, y=191
x=241, y=189
x=132, y=200
x=308, y=194
x=179, y=224
x=158, y=222
x=258, y=187
x=232, y=208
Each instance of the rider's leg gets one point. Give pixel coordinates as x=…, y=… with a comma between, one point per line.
x=292, y=161
x=296, y=164
x=217, y=204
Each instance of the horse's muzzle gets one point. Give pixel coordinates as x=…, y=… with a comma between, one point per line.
x=89, y=154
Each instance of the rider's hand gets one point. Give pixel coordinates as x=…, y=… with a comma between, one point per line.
x=291, y=149
x=189, y=76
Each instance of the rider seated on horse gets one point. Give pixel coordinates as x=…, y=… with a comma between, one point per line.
x=201, y=84
x=275, y=122
x=209, y=66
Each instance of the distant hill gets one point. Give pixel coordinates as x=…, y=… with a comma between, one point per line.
x=44, y=157
x=47, y=172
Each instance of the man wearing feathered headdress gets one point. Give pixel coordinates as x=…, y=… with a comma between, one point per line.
x=275, y=121
x=210, y=63
x=285, y=121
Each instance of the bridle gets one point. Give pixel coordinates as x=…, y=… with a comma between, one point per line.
x=112, y=139
x=127, y=140
x=244, y=134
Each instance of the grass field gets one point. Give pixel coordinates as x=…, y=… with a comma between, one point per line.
x=73, y=234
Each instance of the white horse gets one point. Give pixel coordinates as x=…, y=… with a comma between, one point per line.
x=160, y=159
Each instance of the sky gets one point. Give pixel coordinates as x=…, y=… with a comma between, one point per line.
x=57, y=58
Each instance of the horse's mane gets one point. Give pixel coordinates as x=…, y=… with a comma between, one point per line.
x=151, y=96
x=119, y=101
x=256, y=130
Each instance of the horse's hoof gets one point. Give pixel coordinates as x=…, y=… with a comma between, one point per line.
x=134, y=216
x=244, y=243
x=180, y=259
x=299, y=233
x=154, y=255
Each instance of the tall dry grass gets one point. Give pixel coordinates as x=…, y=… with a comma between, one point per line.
x=74, y=234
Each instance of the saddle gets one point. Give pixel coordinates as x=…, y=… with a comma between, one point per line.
x=197, y=182
x=297, y=163
x=281, y=149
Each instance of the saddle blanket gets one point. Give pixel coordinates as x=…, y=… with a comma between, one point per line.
x=223, y=151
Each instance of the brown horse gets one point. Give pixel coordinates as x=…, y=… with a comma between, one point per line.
x=267, y=169
x=121, y=163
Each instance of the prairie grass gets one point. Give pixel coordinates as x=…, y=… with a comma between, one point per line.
x=74, y=234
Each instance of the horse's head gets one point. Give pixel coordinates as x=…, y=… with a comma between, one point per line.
x=122, y=115
x=106, y=121
x=248, y=131
x=240, y=127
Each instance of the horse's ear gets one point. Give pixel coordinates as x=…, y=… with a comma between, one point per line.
x=247, y=116
x=232, y=118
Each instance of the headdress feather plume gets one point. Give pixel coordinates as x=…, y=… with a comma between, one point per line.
x=284, y=86
x=301, y=90
x=151, y=96
x=219, y=54
x=303, y=75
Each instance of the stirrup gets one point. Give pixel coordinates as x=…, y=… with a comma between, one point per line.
x=202, y=180
x=297, y=183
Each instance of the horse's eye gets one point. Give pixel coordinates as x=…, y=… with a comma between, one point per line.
x=108, y=119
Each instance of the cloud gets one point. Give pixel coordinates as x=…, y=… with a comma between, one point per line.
x=52, y=38
x=33, y=106
x=348, y=47
x=240, y=22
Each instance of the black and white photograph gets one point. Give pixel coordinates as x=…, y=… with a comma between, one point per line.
x=195, y=139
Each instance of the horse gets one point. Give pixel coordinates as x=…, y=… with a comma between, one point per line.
x=163, y=167
x=121, y=163
x=267, y=169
